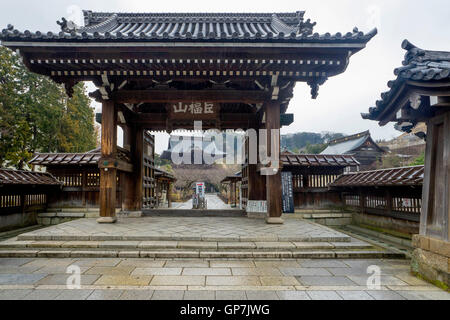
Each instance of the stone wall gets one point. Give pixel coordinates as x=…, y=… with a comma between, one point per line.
x=396, y=226
x=431, y=260
x=17, y=220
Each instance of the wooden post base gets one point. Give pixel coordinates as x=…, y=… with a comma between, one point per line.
x=107, y=220
x=272, y=220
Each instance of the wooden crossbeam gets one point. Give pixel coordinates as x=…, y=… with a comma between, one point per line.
x=174, y=96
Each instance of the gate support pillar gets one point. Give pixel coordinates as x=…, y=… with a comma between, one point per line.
x=108, y=173
x=273, y=182
x=131, y=179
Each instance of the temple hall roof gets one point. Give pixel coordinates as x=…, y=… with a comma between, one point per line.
x=274, y=27
x=347, y=144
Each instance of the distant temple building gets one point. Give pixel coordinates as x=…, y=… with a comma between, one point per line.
x=207, y=147
x=361, y=146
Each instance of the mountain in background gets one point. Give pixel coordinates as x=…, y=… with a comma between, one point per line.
x=308, y=142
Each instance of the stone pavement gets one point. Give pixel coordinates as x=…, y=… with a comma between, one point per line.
x=214, y=203
x=144, y=279
x=188, y=229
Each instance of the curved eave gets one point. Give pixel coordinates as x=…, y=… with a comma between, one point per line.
x=16, y=38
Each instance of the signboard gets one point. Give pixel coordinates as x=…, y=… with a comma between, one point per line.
x=287, y=192
x=407, y=203
x=257, y=206
x=194, y=110
x=200, y=189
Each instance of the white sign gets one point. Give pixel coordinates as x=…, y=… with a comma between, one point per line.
x=200, y=189
x=257, y=206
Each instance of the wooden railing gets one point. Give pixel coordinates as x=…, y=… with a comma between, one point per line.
x=313, y=181
x=81, y=188
x=20, y=202
x=386, y=202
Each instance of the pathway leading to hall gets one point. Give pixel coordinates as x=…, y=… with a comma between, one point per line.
x=214, y=203
x=111, y=279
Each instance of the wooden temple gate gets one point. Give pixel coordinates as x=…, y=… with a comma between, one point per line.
x=166, y=71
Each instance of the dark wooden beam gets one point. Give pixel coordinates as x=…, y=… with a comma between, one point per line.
x=115, y=164
x=173, y=96
x=227, y=121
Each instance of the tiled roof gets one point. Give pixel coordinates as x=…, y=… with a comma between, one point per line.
x=232, y=179
x=64, y=159
x=314, y=160
x=351, y=137
x=419, y=65
x=44, y=159
x=160, y=173
x=189, y=26
x=406, y=176
x=347, y=145
x=16, y=177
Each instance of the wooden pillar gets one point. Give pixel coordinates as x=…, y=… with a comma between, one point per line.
x=108, y=174
x=232, y=194
x=430, y=257
x=389, y=202
x=128, y=183
x=157, y=190
x=83, y=188
x=362, y=200
x=169, y=194
x=274, y=201
x=256, y=182
x=127, y=137
x=137, y=150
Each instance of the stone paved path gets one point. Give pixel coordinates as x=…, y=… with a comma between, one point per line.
x=174, y=228
x=214, y=203
x=146, y=279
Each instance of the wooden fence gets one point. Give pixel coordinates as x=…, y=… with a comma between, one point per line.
x=401, y=202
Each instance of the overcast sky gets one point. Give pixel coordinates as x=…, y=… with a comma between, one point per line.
x=341, y=100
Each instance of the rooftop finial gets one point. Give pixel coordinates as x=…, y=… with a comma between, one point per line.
x=67, y=26
x=406, y=45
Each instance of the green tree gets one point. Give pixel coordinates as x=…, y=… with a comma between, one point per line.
x=315, y=149
x=420, y=160
x=391, y=161
x=37, y=116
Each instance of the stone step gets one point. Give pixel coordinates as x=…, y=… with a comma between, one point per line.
x=256, y=238
x=190, y=254
x=186, y=245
